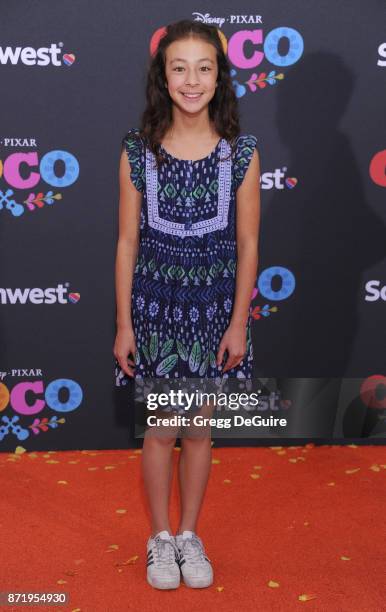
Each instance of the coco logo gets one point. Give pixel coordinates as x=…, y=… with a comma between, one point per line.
x=377, y=168
x=373, y=392
x=45, y=169
x=275, y=275
x=44, y=397
x=29, y=56
x=244, y=52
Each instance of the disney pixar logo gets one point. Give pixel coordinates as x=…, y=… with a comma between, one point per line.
x=219, y=21
x=43, y=56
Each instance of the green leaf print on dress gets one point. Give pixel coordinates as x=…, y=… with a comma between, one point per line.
x=195, y=356
x=204, y=366
x=154, y=346
x=167, y=347
x=182, y=351
x=166, y=364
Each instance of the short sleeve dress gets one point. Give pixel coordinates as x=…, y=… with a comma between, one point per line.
x=184, y=280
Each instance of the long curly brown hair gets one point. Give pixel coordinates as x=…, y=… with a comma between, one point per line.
x=223, y=107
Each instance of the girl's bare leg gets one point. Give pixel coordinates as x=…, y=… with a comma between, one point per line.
x=157, y=474
x=193, y=470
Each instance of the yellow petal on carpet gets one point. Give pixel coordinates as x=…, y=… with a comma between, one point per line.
x=19, y=450
x=12, y=459
x=62, y=482
x=275, y=447
x=306, y=523
x=61, y=581
x=383, y=465
x=46, y=455
x=130, y=561
x=92, y=454
x=109, y=467
x=352, y=471
x=293, y=460
x=306, y=597
x=92, y=469
x=52, y=461
x=301, y=458
x=257, y=467
x=138, y=451
x=352, y=445
x=121, y=511
x=273, y=584
x=215, y=461
x=346, y=558
x=115, y=546
x=74, y=461
x=331, y=484
x=33, y=455
x=219, y=589
x=281, y=452
x=227, y=480
x=255, y=476
x=76, y=610
x=51, y=452
x=375, y=468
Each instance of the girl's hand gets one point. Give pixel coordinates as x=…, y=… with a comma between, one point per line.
x=124, y=346
x=235, y=342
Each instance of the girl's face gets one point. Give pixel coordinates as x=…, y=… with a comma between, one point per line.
x=191, y=68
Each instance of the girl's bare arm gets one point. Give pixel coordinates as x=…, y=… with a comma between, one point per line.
x=128, y=239
x=126, y=256
x=247, y=237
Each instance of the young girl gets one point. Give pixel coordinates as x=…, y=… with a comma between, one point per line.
x=186, y=265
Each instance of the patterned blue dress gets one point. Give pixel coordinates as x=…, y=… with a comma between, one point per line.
x=184, y=280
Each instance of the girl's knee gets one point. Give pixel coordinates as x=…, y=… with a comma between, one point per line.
x=195, y=436
x=160, y=437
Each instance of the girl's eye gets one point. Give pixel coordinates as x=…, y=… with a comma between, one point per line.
x=182, y=68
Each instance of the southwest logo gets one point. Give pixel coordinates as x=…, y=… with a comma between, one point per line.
x=29, y=56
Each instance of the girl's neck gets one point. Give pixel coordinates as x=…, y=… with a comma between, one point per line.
x=190, y=128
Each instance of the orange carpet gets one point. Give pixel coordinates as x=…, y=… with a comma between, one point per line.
x=287, y=528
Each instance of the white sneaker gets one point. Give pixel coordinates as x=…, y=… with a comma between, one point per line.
x=163, y=571
x=195, y=566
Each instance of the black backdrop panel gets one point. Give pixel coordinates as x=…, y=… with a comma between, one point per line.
x=310, y=78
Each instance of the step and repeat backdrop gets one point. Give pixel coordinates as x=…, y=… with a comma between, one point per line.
x=310, y=81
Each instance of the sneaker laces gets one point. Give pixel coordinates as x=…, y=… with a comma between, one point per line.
x=165, y=552
x=192, y=549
